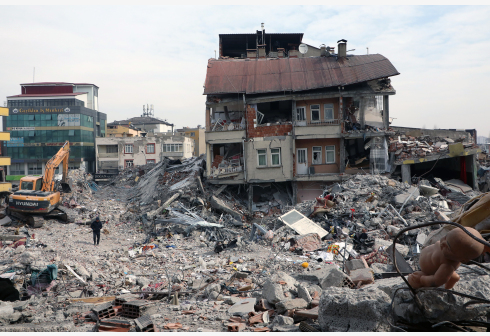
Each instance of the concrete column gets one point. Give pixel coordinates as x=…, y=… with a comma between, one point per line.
x=386, y=111
x=406, y=175
x=342, y=156
x=362, y=106
x=294, y=184
x=208, y=159
x=250, y=197
x=294, y=111
x=208, y=119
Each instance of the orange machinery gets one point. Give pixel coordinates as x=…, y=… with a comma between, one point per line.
x=40, y=195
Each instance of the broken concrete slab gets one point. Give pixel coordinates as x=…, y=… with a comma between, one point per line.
x=219, y=205
x=284, y=305
x=440, y=306
x=243, y=307
x=273, y=292
x=355, y=264
x=303, y=293
x=344, y=309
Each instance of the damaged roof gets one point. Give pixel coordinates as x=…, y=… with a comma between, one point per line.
x=253, y=76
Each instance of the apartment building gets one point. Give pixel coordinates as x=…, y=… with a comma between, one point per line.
x=296, y=124
x=199, y=138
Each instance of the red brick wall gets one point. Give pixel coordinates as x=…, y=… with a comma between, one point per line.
x=262, y=130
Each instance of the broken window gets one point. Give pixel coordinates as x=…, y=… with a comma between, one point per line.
x=128, y=149
x=262, y=157
x=328, y=112
x=276, y=156
x=330, y=154
x=317, y=155
x=315, y=112
x=274, y=112
x=300, y=114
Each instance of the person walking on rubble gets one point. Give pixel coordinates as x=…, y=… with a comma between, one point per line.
x=96, y=226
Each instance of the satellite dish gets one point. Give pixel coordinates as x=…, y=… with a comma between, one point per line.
x=303, y=48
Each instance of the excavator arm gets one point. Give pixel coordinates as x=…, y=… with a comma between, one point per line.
x=62, y=156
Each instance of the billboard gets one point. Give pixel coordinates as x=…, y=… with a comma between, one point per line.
x=68, y=119
x=15, y=142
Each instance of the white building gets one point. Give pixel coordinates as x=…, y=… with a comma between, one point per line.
x=148, y=124
x=114, y=154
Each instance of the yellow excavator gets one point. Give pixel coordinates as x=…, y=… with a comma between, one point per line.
x=39, y=196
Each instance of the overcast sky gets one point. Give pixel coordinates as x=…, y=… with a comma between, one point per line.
x=158, y=55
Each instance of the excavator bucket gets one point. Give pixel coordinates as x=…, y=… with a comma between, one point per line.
x=65, y=187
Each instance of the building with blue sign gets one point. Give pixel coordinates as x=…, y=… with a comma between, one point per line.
x=43, y=117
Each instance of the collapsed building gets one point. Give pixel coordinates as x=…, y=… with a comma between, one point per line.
x=276, y=121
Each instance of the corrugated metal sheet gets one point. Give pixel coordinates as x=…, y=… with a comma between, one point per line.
x=293, y=74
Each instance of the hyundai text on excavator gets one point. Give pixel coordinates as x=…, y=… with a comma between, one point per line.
x=39, y=196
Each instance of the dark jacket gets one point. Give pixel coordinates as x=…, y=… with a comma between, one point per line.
x=96, y=225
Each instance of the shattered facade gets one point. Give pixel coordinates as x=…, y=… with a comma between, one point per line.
x=274, y=117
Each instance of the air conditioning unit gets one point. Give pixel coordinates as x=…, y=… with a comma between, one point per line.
x=311, y=170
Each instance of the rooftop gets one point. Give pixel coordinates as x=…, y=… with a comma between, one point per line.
x=140, y=121
x=47, y=94
x=55, y=83
x=253, y=76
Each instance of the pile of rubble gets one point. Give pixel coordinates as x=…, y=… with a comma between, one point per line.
x=177, y=253
x=408, y=147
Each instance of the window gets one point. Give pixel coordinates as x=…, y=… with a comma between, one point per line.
x=31, y=117
x=328, y=111
x=262, y=157
x=300, y=114
x=315, y=112
x=71, y=132
x=330, y=154
x=193, y=134
x=317, y=155
x=128, y=163
x=17, y=169
x=32, y=133
x=150, y=148
x=276, y=156
x=172, y=147
x=128, y=149
x=35, y=168
x=150, y=161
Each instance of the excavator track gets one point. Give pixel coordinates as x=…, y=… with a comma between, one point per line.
x=59, y=213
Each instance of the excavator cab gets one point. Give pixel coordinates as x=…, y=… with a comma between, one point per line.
x=31, y=183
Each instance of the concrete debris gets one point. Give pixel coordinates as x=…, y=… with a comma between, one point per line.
x=181, y=253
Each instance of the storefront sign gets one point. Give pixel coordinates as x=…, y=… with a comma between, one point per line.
x=15, y=142
x=21, y=128
x=41, y=110
x=57, y=144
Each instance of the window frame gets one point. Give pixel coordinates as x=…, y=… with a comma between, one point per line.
x=303, y=108
x=326, y=154
x=146, y=148
x=331, y=106
x=273, y=154
x=259, y=154
x=126, y=146
x=319, y=150
x=150, y=161
x=127, y=161
x=319, y=113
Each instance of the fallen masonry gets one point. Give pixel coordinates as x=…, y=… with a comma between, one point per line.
x=177, y=253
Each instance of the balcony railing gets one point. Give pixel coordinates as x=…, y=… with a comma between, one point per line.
x=108, y=155
x=173, y=153
x=317, y=123
x=221, y=125
x=216, y=172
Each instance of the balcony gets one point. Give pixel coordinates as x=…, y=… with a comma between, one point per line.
x=317, y=129
x=173, y=154
x=108, y=155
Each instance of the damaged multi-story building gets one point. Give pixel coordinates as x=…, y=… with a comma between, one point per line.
x=276, y=119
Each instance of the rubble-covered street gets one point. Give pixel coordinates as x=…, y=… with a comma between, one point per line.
x=179, y=254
